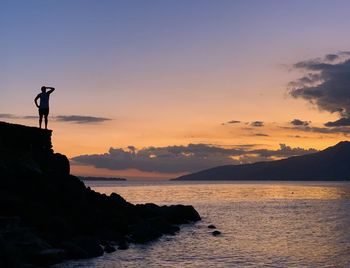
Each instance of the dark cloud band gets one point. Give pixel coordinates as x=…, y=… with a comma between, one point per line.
x=190, y=158
x=339, y=123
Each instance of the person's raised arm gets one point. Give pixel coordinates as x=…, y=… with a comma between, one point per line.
x=36, y=100
x=52, y=89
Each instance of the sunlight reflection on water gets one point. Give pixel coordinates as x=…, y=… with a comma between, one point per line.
x=270, y=224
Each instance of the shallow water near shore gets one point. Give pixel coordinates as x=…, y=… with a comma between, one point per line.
x=263, y=224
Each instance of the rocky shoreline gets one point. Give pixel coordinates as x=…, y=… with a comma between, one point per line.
x=48, y=216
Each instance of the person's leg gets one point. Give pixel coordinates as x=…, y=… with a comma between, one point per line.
x=40, y=120
x=46, y=121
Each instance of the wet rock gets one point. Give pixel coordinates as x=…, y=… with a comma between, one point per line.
x=216, y=233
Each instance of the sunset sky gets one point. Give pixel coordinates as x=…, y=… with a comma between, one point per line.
x=159, y=88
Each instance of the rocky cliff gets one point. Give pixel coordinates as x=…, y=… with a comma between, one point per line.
x=48, y=215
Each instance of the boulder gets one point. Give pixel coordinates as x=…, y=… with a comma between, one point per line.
x=59, y=164
x=179, y=214
x=90, y=245
x=216, y=233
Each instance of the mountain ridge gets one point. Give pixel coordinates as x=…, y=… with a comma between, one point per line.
x=330, y=164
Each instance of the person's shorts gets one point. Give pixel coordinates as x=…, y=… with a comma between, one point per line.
x=44, y=111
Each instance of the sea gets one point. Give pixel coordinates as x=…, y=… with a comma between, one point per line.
x=262, y=224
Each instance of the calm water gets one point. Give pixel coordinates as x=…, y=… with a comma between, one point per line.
x=275, y=224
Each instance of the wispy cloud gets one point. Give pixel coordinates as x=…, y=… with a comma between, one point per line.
x=78, y=119
x=257, y=124
x=261, y=135
x=8, y=116
x=30, y=117
x=231, y=122
x=81, y=119
x=322, y=130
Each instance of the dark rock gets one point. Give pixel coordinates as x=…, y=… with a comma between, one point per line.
x=73, y=251
x=46, y=214
x=59, y=164
x=109, y=249
x=211, y=226
x=178, y=214
x=50, y=256
x=123, y=245
x=144, y=232
x=7, y=254
x=117, y=198
x=216, y=233
x=90, y=245
x=9, y=223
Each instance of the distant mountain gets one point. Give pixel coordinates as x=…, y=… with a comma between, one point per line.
x=101, y=179
x=331, y=164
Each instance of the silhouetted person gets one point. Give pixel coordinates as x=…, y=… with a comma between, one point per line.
x=44, y=104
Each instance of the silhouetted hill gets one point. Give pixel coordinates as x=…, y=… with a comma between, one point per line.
x=48, y=215
x=101, y=179
x=331, y=164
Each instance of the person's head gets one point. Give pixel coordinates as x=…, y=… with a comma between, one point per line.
x=43, y=89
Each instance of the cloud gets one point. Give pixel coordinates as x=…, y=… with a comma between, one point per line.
x=232, y=122
x=339, y=123
x=30, y=117
x=325, y=83
x=8, y=116
x=298, y=122
x=13, y=116
x=257, y=124
x=261, y=135
x=284, y=151
x=80, y=119
x=190, y=158
x=322, y=130
x=331, y=57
